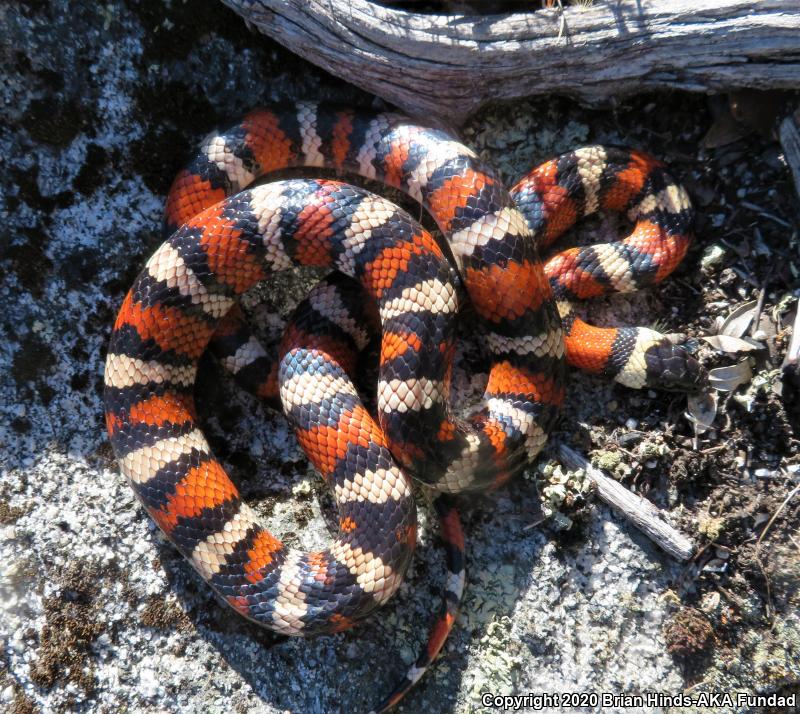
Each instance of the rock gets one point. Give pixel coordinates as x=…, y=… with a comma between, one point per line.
x=103, y=103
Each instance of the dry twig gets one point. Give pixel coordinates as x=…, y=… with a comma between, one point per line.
x=639, y=511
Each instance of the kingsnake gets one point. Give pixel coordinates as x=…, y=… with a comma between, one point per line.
x=225, y=235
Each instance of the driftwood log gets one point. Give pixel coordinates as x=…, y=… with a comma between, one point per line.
x=446, y=66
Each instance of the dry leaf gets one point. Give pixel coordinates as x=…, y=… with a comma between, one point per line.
x=726, y=343
x=725, y=130
x=737, y=322
x=726, y=379
x=701, y=410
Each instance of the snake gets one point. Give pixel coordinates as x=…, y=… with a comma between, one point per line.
x=227, y=231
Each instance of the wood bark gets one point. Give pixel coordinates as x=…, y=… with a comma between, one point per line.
x=789, y=135
x=447, y=66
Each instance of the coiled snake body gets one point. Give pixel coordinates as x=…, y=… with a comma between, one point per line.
x=225, y=237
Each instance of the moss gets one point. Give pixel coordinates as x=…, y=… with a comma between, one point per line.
x=688, y=633
x=28, y=261
x=33, y=359
x=71, y=626
x=79, y=381
x=161, y=614
x=91, y=175
x=9, y=514
x=21, y=703
x=27, y=184
x=55, y=121
x=21, y=425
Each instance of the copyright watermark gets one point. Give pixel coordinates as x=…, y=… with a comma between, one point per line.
x=601, y=700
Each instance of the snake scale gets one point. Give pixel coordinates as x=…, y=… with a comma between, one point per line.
x=225, y=234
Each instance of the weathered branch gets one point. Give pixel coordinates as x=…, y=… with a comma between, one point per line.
x=449, y=65
x=789, y=135
x=639, y=511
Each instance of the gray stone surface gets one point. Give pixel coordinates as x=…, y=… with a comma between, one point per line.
x=97, y=611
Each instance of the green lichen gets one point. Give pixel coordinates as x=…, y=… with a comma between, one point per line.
x=712, y=527
x=712, y=256
x=490, y=595
x=499, y=659
x=607, y=460
x=562, y=488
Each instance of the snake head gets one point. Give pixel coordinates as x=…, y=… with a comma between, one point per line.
x=672, y=368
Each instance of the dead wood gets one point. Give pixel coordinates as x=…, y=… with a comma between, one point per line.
x=446, y=66
x=639, y=511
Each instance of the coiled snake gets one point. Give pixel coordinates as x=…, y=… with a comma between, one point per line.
x=226, y=235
